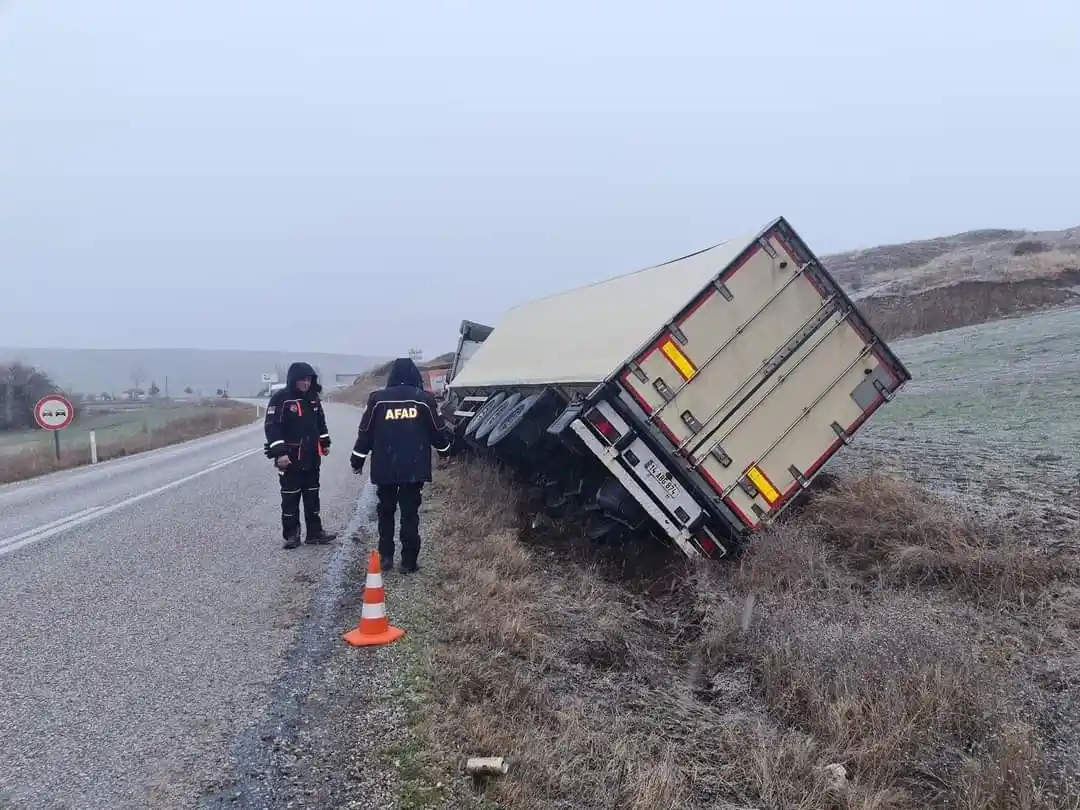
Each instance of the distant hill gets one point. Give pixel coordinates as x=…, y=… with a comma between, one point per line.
x=967, y=278
x=115, y=370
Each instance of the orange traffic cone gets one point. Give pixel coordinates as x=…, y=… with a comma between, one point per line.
x=374, y=628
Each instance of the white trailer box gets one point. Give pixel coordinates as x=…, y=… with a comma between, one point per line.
x=741, y=368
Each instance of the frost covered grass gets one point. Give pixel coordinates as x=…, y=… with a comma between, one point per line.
x=880, y=649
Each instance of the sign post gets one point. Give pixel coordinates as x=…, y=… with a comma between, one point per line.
x=54, y=412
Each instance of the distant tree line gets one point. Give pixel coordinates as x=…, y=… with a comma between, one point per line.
x=21, y=386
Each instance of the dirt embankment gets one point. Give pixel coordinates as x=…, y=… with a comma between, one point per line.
x=881, y=650
x=931, y=285
x=965, y=304
x=357, y=393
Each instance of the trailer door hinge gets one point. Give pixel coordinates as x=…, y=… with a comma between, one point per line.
x=663, y=389
x=886, y=394
x=841, y=433
x=722, y=457
x=748, y=487
x=796, y=473
x=691, y=422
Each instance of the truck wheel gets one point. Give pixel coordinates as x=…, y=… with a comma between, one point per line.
x=496, y=415
x=603, y=531
x=490, y=405
x=512, y=418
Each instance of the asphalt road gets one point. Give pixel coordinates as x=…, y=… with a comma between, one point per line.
x=146, y=606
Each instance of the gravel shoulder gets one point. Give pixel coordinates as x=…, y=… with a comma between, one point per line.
x=337, y=734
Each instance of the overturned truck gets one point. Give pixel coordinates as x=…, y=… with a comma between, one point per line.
x=694, y=399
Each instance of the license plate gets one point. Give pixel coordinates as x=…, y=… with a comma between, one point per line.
x=663, y=478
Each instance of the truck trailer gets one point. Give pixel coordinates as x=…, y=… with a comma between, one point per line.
x=694, y=399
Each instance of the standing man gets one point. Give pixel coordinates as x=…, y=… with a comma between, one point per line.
x=399, y=427
x=296, y=439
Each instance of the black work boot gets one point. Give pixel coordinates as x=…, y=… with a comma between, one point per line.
x=410, y=567
x=293, y=540
x=320, y=537
x=386, y=563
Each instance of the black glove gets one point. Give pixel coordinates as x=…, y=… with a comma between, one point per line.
x=357, y=463
x=279, y=450
x=449, y=447
x=324, y=445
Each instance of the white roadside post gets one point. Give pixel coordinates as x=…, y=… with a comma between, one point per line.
x=93, y=448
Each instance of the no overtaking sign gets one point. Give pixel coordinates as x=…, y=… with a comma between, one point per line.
x=53, y=412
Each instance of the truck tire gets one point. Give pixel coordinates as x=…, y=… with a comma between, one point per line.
x=485, y=411
x=496, y=415
x=512, y=418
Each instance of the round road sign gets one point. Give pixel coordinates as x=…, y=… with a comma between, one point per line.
x=53, y=412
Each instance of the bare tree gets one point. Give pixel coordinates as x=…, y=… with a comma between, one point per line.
x=21, y=386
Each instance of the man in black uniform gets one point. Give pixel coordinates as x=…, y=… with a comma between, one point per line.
x=399, y=427
x=296, y=439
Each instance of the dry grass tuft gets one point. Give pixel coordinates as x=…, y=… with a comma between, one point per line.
x=41, y=460
x=881, y=633
x=894, y=532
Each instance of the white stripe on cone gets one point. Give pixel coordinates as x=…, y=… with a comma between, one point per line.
x=374, y=581
x=377, y=611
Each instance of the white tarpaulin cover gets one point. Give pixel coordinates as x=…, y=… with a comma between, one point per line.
x=583, y=335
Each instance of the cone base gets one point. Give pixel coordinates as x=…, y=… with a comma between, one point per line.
x=358, y=639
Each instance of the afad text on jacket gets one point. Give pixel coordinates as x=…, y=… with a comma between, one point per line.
x=399, y=427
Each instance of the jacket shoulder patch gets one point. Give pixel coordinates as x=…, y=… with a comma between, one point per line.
x=271, y=410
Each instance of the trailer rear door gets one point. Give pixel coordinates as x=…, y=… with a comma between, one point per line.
x=764, y=375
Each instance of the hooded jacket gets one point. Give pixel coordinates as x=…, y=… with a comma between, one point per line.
x=297, y=371
x=403, y=371
x=295, y=423
x=400, y=425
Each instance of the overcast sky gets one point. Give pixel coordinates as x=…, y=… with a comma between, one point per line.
x=358, y=176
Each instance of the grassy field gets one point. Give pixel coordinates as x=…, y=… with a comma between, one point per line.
x=110, y=423
x=991, y=417
x=118, y=432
